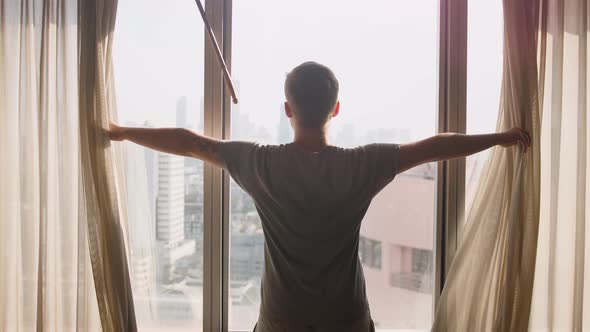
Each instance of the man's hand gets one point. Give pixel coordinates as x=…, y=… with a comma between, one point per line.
x=116, y=133
x=515, y=136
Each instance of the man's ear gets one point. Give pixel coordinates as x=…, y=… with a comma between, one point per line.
x=288, y=111
x=336, y=109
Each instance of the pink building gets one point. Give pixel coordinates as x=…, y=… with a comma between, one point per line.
x=397, y=238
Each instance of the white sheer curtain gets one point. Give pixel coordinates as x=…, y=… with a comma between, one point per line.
x=489, y=285
x=102, y=167
x=45, y=275
x=561, y=297
x=57, y=175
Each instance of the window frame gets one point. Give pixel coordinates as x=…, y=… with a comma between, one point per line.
x=450, y=182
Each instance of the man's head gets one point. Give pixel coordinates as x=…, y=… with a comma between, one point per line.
x=311, y=90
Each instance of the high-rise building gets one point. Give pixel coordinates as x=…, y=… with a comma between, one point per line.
x=396, y=249
x=170, y=201
x=193, y=204
x=151, y=167
x=171, y=241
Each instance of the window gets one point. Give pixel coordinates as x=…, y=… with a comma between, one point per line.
x=384, y=54
x=159, y=76
x=411, y=269
x=370, y=252
x=484, y=78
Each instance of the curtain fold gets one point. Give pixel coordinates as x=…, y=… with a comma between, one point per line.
x=61, y=232
x=561, y=296
x=489, y=285
x=100, y=175
x=45, y=278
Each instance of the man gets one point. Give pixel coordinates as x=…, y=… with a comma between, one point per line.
x=311, y=198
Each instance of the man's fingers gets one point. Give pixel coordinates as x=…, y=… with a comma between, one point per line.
x=527, y=138
x=520, y=141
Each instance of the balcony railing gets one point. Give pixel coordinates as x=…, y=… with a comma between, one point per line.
x=416, y=282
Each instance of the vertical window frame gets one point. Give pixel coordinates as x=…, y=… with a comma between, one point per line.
x=215, y=202
x=452, y=118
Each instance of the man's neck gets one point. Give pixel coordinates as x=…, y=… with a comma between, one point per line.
x=311, y=139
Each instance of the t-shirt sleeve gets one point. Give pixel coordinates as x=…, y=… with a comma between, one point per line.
x=382, y=162
x=237, y=158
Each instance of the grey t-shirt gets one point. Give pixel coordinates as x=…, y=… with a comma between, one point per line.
x=311, y=205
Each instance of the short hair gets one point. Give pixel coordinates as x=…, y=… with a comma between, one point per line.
x=311, y=89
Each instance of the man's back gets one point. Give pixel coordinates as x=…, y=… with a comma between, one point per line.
x=311, y=205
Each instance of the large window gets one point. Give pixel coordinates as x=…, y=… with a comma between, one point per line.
x=158, y=60
x=385, y=55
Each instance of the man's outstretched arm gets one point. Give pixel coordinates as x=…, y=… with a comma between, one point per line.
x=450, y=145
x=179, y=141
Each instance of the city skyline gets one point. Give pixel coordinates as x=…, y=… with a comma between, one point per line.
x=399, y=92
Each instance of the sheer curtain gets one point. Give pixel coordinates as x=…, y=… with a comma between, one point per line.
x=561, y=297
x=57, y=175
x=489, y=284
x=45, y=275
x=101, y=167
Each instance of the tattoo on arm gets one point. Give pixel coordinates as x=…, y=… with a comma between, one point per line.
x=203, y=145
x=205, y=148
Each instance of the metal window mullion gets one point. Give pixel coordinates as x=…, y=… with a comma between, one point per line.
x=213, y=179
x=225, y=197
x=451, y=118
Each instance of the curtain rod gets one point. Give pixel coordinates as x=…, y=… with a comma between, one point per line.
x=226, y=74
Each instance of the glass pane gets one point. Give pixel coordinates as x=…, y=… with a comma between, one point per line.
x=158, y=60
x=484, y=79
x=385, y=55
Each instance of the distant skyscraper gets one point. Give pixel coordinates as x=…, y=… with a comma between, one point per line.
x=285, y=130
x=170, y=202
x=170, y=216
x=193, y=203
x=181, y=112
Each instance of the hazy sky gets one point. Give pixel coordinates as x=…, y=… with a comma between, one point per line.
x=384, y=53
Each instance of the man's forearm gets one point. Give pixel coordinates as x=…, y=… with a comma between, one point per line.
x=177, y=141
x=168, y=140
x=451, y=145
